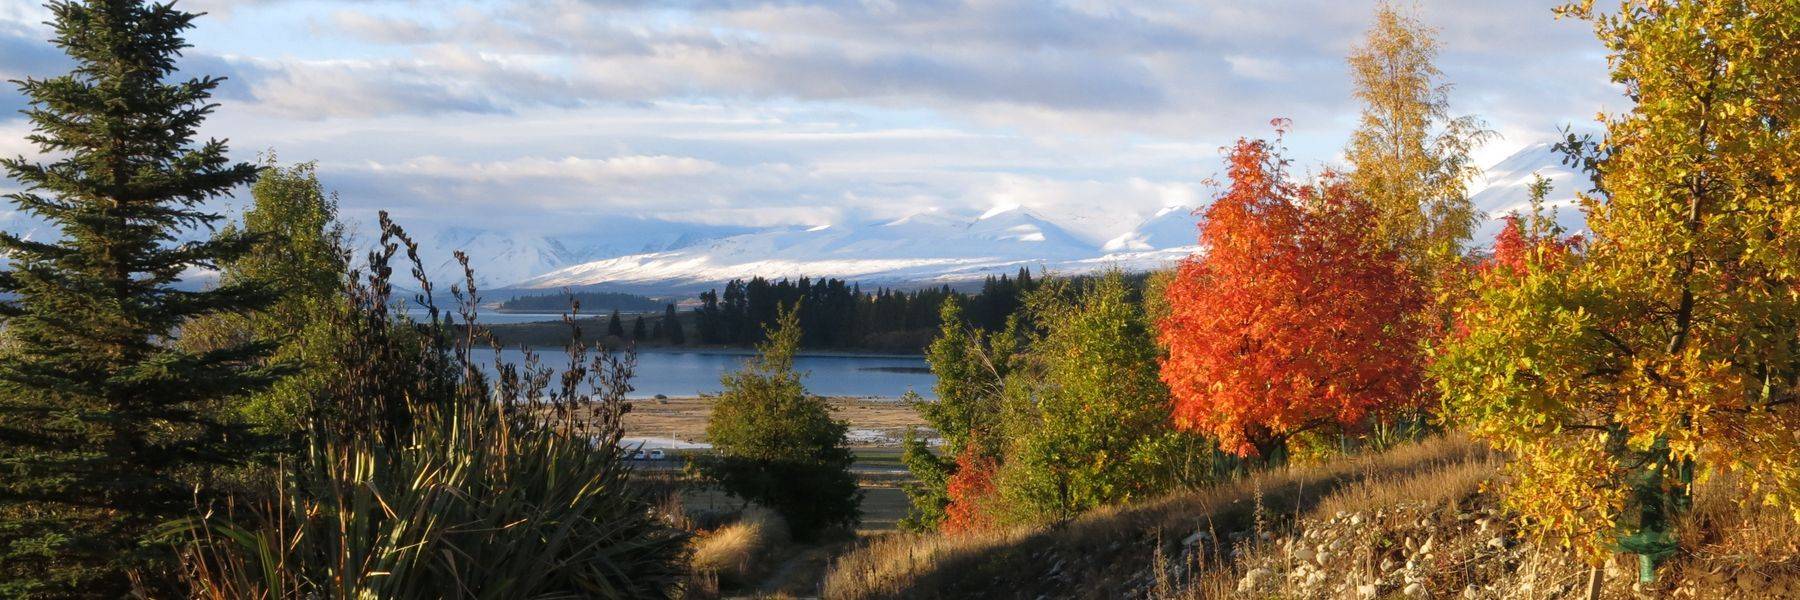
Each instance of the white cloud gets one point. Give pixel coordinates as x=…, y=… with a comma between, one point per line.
x=589, y=170
x=809, y=112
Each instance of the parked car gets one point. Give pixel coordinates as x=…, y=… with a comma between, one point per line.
x=656, y=454
x=637, y=454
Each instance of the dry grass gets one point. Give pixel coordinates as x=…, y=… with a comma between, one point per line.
x=1449, y=483
x=740, y=553
x=1108, y=553
x=1375, y=527
x=1372, y=513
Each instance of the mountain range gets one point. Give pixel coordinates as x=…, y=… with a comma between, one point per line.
x=659, y=257
x=932, y=248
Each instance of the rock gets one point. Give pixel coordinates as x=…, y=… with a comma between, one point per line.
x=1497, y=543
x=1388, y=565
x=1425, y=548
x=1303, y=553
x=1356, y=519
x=1253, y=580
x=1415, y=590
x=1366, y=591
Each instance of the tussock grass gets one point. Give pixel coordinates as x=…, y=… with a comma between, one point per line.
x=1100, y=554
x=738, y=553
x=1736, y=550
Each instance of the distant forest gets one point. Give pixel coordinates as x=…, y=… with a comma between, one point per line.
x=836, y=314
x=591, y=303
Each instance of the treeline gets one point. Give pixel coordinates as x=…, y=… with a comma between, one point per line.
x=836, y=314
x=590, y=302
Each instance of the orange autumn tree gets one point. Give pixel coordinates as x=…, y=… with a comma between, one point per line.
x=1292, y=319
x=969, y=489
x=1525, y=242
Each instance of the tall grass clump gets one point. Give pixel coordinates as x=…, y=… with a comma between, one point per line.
x=424, y=475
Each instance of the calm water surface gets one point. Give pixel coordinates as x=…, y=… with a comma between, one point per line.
x=679, y=373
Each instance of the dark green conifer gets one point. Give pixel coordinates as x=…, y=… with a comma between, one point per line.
x=614, y=326
x=107, y=429
x=672, y=325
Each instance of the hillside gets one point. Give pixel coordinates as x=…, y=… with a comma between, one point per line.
x=921, y=248
x=1412, y=522
x=934, y=248
x=1505, y=188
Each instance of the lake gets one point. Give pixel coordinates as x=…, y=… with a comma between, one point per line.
x=678, y=373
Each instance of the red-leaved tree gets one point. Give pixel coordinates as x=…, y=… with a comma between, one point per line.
x=970, y=490
x=1290, y=319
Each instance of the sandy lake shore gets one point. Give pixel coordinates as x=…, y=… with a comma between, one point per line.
x=874, y=422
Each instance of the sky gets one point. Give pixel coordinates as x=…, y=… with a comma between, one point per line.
x=558, y=116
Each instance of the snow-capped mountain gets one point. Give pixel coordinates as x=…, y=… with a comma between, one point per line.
x=923, y=248
x=1171, y=227
x=1508, y=189
x=926, y=248
x=503, y=257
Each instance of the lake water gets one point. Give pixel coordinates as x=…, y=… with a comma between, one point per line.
x=678, y=373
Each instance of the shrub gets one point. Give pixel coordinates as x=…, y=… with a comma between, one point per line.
x=779, y=446
x=423, y=480
x=1087, y=418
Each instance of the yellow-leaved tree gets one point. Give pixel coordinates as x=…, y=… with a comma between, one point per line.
x=1668, y=348
x=1408, y=155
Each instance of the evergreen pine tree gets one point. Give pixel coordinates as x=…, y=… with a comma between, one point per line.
x=637, y=329
x=672, y=325
x=106, y=430
x=614, y=326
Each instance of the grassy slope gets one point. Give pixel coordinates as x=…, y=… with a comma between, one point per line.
x=1109, y=553
x=1415, y=522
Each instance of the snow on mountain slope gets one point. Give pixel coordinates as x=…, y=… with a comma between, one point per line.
x=502, y=257
x=922, y=248
x=498, y=258
x=1171, y=227
x=1508, y=189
